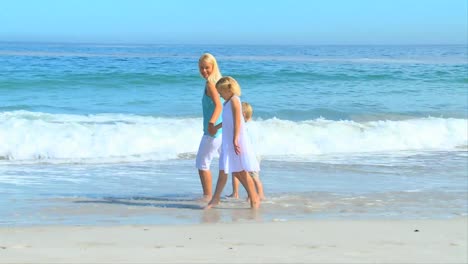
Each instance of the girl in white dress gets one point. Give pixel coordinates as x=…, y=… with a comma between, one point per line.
x=247, y=112
x=237, y=156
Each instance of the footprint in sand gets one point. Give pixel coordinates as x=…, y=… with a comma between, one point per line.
x=19, y=246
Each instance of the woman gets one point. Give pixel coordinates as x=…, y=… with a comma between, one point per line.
x=212, y=105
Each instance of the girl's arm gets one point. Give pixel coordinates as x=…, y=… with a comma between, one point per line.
x=218, y=126
x=237, y=113
x=214, y=95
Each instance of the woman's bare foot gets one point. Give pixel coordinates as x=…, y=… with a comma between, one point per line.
x=212, y=203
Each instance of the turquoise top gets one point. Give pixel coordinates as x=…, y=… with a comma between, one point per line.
x=208, y=109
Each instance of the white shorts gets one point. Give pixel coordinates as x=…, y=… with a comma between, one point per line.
x=208, y=149
x=254, y=174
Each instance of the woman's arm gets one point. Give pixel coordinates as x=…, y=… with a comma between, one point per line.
x=236, y=112
x=214, y=95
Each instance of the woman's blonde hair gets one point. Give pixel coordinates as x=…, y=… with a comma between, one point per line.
x=230, y=84
x=216, y=74
x=247, y=110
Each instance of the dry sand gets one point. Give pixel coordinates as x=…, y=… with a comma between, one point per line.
x=313, y=241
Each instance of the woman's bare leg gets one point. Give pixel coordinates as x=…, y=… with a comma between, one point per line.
x=206, y=182
x=222, y=179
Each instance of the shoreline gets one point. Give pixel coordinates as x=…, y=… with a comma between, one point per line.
x=309, y=241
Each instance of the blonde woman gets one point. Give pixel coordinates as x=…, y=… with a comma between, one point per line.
x=237, y=155
x=212, y=105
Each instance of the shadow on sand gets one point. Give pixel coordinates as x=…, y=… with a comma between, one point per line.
x=161, y=202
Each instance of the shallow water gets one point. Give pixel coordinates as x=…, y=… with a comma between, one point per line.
x=408, y=187
x=107, y=134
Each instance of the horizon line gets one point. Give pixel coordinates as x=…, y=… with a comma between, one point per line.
x=228, y=44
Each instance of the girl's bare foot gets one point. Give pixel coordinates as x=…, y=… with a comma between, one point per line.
x=212, y=203
x=204, y=199
x=261, y=199
x=255, y=204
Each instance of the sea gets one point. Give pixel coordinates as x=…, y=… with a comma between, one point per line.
x=107, y=134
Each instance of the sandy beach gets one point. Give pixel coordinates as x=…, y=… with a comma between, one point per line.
x=312, y=241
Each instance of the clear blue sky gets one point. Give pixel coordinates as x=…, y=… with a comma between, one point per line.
x=236, y=21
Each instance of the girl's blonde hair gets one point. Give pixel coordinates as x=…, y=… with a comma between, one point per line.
x=216, y=74
x=247, y=110
x=230, y=84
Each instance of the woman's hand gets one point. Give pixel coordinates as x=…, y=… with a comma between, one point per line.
x=212, y=129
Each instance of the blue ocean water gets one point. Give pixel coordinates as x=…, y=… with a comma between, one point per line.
x=360, y=131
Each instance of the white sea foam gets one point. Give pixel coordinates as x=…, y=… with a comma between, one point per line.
x=39, y=137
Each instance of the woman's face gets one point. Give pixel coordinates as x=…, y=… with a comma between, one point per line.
x=205, y=68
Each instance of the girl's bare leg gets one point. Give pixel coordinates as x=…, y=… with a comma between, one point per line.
x=249, y=186
x=235, y=188
x=205, y=179
x=259, y=187
x=222, y=179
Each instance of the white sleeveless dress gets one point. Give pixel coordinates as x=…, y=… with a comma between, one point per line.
x=229, y=161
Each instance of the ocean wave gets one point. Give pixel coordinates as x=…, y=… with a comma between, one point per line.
x=455, y=75
x=40, y=137
x=96, y=80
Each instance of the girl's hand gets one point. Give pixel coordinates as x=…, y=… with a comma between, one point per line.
x=237, y=148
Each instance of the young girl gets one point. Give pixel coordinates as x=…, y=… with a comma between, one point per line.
x=247, y=112
x=237, y=156
x=212, y=108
